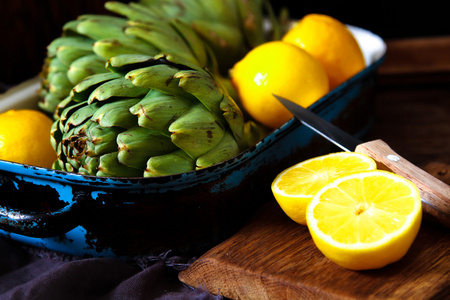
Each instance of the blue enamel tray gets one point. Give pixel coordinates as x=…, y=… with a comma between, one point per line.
x=187, y=213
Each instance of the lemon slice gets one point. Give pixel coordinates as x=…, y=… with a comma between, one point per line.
x=365, y=220
x=294, y=187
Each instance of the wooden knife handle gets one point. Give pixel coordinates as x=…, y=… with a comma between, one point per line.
x=435, y=194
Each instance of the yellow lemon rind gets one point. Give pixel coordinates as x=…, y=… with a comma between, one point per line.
x=25, y=137
x=286, y=70
x=331, y=42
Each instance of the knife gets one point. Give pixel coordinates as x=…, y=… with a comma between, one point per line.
x=434, y=193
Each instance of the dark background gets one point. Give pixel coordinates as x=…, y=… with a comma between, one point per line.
x=28, y=26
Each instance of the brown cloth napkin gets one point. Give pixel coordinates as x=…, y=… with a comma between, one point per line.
x=31, y=273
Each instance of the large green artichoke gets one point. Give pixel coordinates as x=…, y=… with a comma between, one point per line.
x=158, y=107
x=228, y=29
x=151, y=116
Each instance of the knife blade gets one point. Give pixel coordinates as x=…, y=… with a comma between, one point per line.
x=434, y=193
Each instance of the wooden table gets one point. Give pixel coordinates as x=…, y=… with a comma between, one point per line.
x=413, y=102
x=412, y=114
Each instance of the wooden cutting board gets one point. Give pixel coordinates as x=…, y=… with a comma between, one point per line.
x=274, y=258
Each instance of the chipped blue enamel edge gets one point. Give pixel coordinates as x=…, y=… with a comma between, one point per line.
x=72, y=243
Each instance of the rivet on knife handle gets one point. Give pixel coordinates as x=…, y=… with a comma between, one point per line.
x=435, y=194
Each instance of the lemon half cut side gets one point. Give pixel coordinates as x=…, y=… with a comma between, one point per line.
x=295, y=187
x=365, y=220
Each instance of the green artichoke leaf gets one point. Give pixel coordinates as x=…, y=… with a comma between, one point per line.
x=90, y=166
x=177, y=61
x=125, y=63
x=211, y=94
x=84, y=88
x=55, y=65
x=109, y=166
x=197, y=131
x=54, y=76
x=233, y=114
x=68, y=167
x=70, y=28
x=101, y=140
x=150, y=11
x=132, y=12
x=77, y=42
x=158, y=77
x=55, y=134
x=163, y=37
x=193, y=41
x=60, y=162
x=66, y=54
x=226, y=42
x=118, y=21
x=116, y=113
x=120, y=87
x=168, y=164
x=251, y=21
x=226, y=149
x=62, y=106
x=138, y=144
x=220, y=36
x=187, y=10
x=110, y=47
x=57, y=165
x=67, y=111
x=203, y=86
x=77, y=114
x=100, y=28
x=48, y=101
x=221, y=11
x=85, y=66
x=157, y=110
x=59, y=84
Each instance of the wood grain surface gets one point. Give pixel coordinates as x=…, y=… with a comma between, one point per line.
x=274, y=258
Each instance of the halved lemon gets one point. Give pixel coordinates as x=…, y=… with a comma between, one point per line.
x=295, y=187
x=365, y=220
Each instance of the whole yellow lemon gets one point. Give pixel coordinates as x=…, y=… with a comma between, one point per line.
x=25, y=138
x=331, y=43
x=282, y=69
